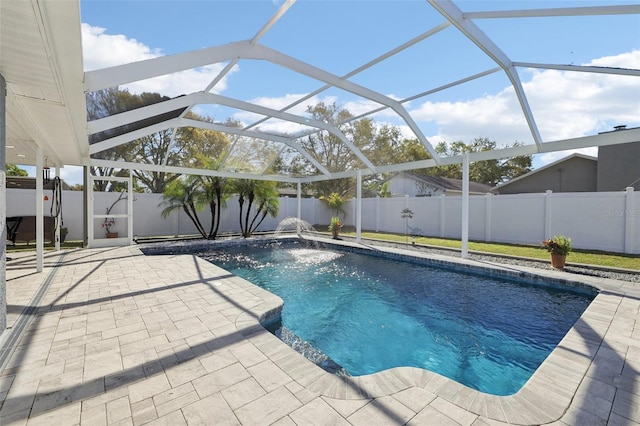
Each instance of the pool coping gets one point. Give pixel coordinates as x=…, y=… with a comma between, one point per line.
x=544, y=398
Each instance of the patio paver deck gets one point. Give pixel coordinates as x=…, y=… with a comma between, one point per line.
x=111, y=336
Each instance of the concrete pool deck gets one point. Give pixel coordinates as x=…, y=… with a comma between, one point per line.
x=111, y=336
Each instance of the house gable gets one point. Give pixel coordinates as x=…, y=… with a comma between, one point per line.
x=576, y=173
x=403, y=183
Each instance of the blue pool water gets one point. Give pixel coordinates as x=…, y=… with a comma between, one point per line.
x=369, y=314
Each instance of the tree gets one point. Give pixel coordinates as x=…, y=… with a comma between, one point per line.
x=335, y=202
x=259, y=197
x=215, y=192
x=377, y=143
x=192, y=194
x=489, y=172
x=13, y=170
x=405, y=151
x=105, y=103
x=182, y=194
x=177, y=148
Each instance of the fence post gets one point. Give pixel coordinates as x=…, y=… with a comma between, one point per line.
x=299, y=201
x=547, y=214
x=377, y=213
x=487, y=217
x=630, y=215
x=442, y=208
x=354, y=210
x=176, y=223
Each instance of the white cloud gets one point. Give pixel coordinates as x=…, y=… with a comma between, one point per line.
x=494, y=116
x=564, y=104
x=72, y=174
x=277, y=103
x=102, y=50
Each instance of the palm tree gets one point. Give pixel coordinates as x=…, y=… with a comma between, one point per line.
x=268, y=203
x=215, y=193
x=336, y=203
x=264, y=195
x=184, y=194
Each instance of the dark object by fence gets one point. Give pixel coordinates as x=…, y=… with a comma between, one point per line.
x=23, y=228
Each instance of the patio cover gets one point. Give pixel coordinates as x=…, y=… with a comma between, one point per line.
x=41, y=61
x=43, y=110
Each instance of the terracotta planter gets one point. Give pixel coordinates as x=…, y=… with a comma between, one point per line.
x=558, y=260
x=112, y=235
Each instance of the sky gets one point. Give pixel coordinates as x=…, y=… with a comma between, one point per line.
x=340, y=36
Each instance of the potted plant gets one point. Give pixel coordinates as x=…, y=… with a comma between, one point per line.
x=109, y=221
x=559, y=246
x=107, y=224
x=335, y=226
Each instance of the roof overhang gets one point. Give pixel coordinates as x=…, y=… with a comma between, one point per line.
x=41, y=62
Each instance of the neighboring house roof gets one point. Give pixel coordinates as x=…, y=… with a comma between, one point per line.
x=446, y=184
x=292, y=192
x=29, y=182
x=497, y=188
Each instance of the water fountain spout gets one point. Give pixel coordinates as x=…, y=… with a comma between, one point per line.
x=291, y=224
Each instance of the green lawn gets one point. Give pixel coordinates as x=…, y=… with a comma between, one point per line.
x=589, y=257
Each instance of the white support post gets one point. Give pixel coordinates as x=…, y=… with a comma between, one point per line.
x=130, y=208
x=39, y=210
x=359, y=208
x=630, y=218
x=3, y=207
x=57, y=222
x=547, y=214
x=465, y=206
x=89, y=201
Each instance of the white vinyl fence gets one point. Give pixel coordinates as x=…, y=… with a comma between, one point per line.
x=608, y=221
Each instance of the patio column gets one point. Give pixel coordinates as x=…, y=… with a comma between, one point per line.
x=58, y=224
x=359, y=208
x=85, y=206
x=465, y=205
x=39, y=210
x=3, y=207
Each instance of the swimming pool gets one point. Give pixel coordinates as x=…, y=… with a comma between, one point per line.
x=369, y=314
